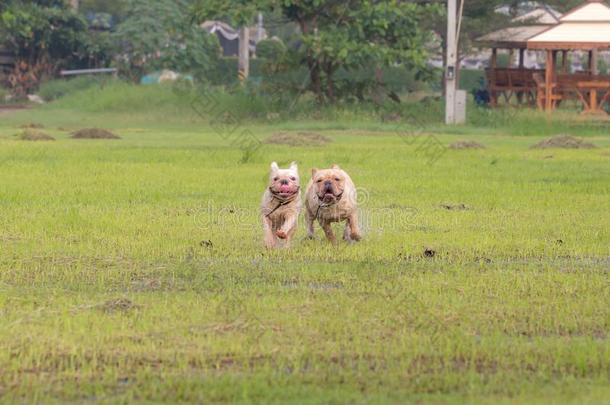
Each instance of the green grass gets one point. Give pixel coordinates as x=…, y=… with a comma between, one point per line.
x=108, y=294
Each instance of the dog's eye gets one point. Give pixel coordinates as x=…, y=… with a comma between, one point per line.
x=319, y=181
x=293, y=178
x=337, y=179
x=276, y=178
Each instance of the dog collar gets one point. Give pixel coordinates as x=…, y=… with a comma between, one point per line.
x=282, y=201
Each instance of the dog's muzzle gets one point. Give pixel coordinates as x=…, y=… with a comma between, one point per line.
x=284, y=193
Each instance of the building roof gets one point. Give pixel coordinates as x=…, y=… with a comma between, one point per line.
x=541, y=15
x=586, y=27
x=523, y=7
x=538, y=20
x=512, y=37
x=221, y=27
x=229, y=32
x=588, y=12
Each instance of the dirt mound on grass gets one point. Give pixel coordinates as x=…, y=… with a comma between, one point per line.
x=298, y=139
x=563, y=142
x=34, y=135
x=461, y=145
x=94, y=133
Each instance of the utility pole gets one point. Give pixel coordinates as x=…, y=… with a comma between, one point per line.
x=244, y=54
x=451, y=63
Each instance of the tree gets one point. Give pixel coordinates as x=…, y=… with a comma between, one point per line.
x=43, y=35
x=161, y=34
x=340, y=34
x=116, y=8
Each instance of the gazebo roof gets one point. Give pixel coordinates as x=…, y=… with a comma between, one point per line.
x=586, y=27
x=539, y=15
x=593, y=10
x=512, y=37
x=537, y=20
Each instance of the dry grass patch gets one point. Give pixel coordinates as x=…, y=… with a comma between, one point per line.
x=563, y=142
x=94, y=133
x=461, y=145
x=298, y=139
x=34, y=135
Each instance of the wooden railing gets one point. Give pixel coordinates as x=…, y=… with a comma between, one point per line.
x=530, y=85
x=516, y=79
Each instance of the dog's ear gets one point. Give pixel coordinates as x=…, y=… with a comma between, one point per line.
x=294, y=166
x=274, y=167
x=314, y=171
x=335, y=167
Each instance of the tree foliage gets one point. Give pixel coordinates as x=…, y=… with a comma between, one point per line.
x=337, y=35
x=161, y=34
x=42, y=30
x=270, y=49
x=116, y=8
x=43, y=35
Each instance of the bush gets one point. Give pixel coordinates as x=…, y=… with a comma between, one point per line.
x=270, y=49
x=54, y=89
x=125, y=97
x=225, y=73
x=3, y=93
x=268, y=97
x=98, y=50
x=471, y=80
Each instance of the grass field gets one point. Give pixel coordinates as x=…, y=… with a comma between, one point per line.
x=132, y=270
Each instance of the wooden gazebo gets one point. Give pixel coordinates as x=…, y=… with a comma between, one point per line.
x=586, y=28
x=516, y=80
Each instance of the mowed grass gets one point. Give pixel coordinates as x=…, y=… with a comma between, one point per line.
x=132, y=270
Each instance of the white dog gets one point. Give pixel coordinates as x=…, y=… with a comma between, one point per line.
x=281, y=205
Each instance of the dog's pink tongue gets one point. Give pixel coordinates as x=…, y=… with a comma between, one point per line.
x=284, y=188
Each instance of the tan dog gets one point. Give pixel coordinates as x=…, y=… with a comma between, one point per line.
x=281, y=205
x=331, y=197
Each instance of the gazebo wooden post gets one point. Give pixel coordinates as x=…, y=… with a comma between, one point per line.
x=494, y=65
x=521, y=67
x=521, y=58
x=550, y=56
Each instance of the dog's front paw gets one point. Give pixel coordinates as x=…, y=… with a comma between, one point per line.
x=355, y=236
x=281, y=234
x=270, y=241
